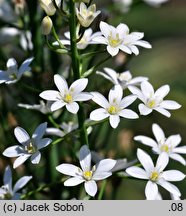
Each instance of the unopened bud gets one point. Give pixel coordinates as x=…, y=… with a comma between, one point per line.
x=48, y=7
x=46, y=25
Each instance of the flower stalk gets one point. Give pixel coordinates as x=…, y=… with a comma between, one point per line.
x=76, y=69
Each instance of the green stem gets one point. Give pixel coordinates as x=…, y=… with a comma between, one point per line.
x=92, y=69
x=53, y=122
x=76, y=69
x=103, y=186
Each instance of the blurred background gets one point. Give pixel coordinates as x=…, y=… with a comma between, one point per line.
x=20, y=37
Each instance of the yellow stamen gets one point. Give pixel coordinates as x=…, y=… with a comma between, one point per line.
x=87, y=175
x=30, y=148
x=164, y=148
x=151, y=103
x=68, y=98
x=154, y=176
x=112, y=110
x=114, y=42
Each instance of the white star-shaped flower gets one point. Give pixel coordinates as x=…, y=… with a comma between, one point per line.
x=163, y=144
x=123, y=79
x=13, y=74
x=119, y=39
x=154, y=100
x=114, y=108
x=9, y=193
x=85, y=40
x=67, y=96
x=87, y=174
x=86, y=15
x=155, y=174
x=43, y=107
x=30, y=146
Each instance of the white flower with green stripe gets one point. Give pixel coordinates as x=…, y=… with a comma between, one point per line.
x=154, y=100
x=67, y=96
x=163, y=144
x=155, y=175
x=114, y=107
x=87, y=174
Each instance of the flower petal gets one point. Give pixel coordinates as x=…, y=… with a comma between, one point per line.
x=25, y=66
x=68, y=169
x=21, y=183
x=178, y=157
x=144, y=110
x=137, y=172
x=147, y=89
x=73, y=181
x=91, y=188
x=114, y=120
x=105, y=165
x=78, y=86
x=180, y=150
x=21, y=135
x=137, y=92
x=84, y=96
x=13, y=151
x=112, y=75
x=129, y=114
x=162, y=91
x=162, y=111
x=112, y=50
x=170, y=187
x=50, y=95
x=128, y=100
x=20, y=160
x=162, y=161
x=61, y=83
x=98, y=114
x=151, y=190
x=100, y=176
x=7, y=178
x=39, y=131
x=85, y=158
x=173, y=175
x=170, y=105
x=145, y=160
x=35, y=158
x=57, y=105
x=125, y=49
x=158, y=133
x=146, y=141
x=105, y=28
x=100, y=99
x=43, y=143
x=72, y=107
x=173, y=140
x=115, y=95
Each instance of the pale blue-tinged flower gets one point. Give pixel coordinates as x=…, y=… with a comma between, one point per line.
x=30, y=146
x=119, y=38
x=13, y=73
x=155, y=175
x=9, y=193
x=163, y=144
x=87, y=174
x=114, y=107
x=154, y=100
x=67, y=96
x=123, y=79
x=86, y=15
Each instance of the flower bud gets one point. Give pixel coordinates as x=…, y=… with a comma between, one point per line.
x=48, y=7
x=46, y=25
